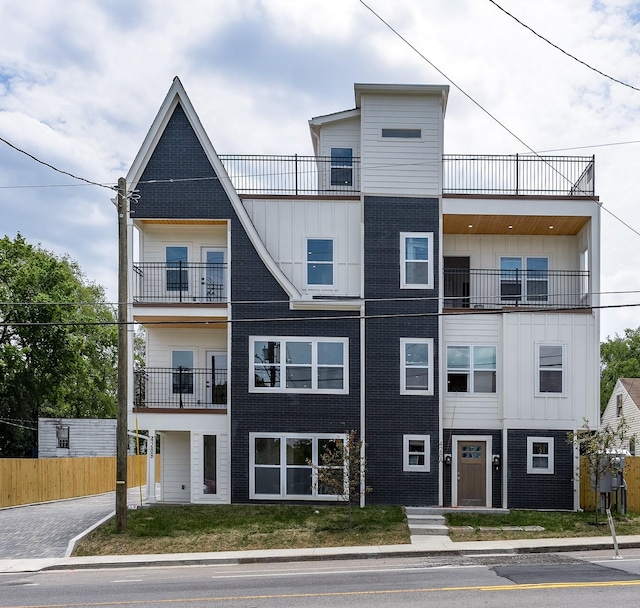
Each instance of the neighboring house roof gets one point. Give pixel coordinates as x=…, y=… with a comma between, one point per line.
x=632, y=386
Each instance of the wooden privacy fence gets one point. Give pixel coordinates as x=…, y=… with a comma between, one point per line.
x=589, y=498
x=32, y=480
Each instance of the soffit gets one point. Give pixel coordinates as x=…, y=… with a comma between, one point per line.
x=513, y=224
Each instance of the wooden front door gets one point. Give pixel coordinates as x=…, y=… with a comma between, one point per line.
x=472, y=473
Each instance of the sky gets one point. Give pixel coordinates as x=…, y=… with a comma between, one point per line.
x=81, y=82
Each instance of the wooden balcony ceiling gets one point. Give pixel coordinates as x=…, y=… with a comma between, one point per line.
x=558, y=225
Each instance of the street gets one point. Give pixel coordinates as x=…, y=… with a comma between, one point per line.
x=567, y=580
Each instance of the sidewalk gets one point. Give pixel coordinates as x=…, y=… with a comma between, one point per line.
x=440, y=545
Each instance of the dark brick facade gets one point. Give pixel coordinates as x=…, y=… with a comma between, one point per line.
x=388, y=414
x=539, y=491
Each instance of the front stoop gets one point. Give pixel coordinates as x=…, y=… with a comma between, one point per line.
x=422, y=521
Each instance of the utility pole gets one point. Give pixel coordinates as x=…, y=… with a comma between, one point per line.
x=123, y=361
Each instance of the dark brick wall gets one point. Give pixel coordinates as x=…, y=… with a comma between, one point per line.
x=496, y=476
x=526, y=491
x=390, y=415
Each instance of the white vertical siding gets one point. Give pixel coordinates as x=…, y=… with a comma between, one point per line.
x=176, y=462
x=401, y=166
x=223, y=494
x=160, y=343
x=284, y=226
x=158, y=236
x=481, y=410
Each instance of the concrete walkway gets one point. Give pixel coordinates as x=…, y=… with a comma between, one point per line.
x=40, y=537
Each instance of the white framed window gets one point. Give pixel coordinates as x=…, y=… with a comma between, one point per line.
x=540, y=455
x=209, y=464
x=284, y=466
x=416, y=255
x=319, y=262
x=400, y=133
x=584, y=273
x=471, y=368
x=524, y=279
x=551, y=365
x=342, y=167
x=415, y=453
x=299, y=364
x=416, y=366
x=177, y=264
x=62, y=437
x=182, y=372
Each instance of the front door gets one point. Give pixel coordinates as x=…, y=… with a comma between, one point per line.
x=216, y=378
x=213, y=275
x=472, y=473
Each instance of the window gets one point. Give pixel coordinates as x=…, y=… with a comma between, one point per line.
x=619, y=406
x=416, y=366
x=299, y=365
x=284, y=466
x=342, y=166
x=416, y=252
x=209, y=466
x=416, y=453
x=540, y=455
x=62, y=436
x=177, y=271
x=182, y=375
x=319, y=262
x=402, y=133
x=530, y=284
x=471, y=369
x=551, y=368
x=584, y=273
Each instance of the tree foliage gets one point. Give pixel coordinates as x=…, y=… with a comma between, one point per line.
x=619, y=358
x=58, y=344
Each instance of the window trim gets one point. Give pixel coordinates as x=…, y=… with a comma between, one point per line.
x=406, y=453
x=409, y=133
x=63, y=436
x=216, y=493
x=540, y=368
x=470, y=370
x=403, y=367
x=315, y=437
x=282, y=365
x=404, y=261
x=549, y=469
x=332, y=263
x=525, y=279
x=343, y=163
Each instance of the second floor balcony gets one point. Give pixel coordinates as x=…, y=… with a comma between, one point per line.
x=180, y=388
x=491, y=289
x=179, y=282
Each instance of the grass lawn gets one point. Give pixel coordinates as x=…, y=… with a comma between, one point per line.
x=555, y=524
x=202, y=528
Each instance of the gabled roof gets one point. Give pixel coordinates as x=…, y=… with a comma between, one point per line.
x=632, y=386
x=177, y=95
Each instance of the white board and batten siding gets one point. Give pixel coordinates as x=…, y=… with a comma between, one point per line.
x=87, y=437
x=524, y=406
x=154, y=238
x=399, y=166
x=285, y=225
x=160, y=343
x=223, y=470
x=466, y=410
x=176, y=467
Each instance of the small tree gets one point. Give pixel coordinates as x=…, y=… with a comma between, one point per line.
x=341, y=470
x=598, y=447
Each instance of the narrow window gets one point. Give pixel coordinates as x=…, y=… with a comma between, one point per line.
x=209, y=465
x=182, y=366
x=540, y=455
x=416, y=453
x=537, y=279
x=177, y=269
x=267, y=465
x=551, y=368
x=319, y=262
x=584, y=273
x=402, y=133
x=62, y=435
x=416, y=368
x=342, y=166
x=619, y=406
x=416, y=252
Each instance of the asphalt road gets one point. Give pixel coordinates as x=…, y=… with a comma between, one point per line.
x=552, y=580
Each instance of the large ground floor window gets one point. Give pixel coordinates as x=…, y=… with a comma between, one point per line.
x=286, y=465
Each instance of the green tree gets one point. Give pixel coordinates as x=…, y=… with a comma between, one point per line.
x=619, y=358
x=58, y=344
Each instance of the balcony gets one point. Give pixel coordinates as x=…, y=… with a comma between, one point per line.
x=494, y=289
x=179, y=282
x=180, y=388
x=512, y=175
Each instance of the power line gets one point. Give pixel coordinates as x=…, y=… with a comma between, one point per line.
x=555, y=46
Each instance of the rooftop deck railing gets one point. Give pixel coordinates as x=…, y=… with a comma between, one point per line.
x=519, y=174
x=181, y=387
x=480, y=289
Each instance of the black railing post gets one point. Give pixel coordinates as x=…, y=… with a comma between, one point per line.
x=296, y=173
x=517, y=173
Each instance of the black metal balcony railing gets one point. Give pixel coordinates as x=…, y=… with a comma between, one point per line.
x=260, y=174
x=518, y=174
x=180, y=387
x=507, y=288
x=179, y=282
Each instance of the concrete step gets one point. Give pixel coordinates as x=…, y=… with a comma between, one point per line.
x=432, y=530
x=425, y=519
